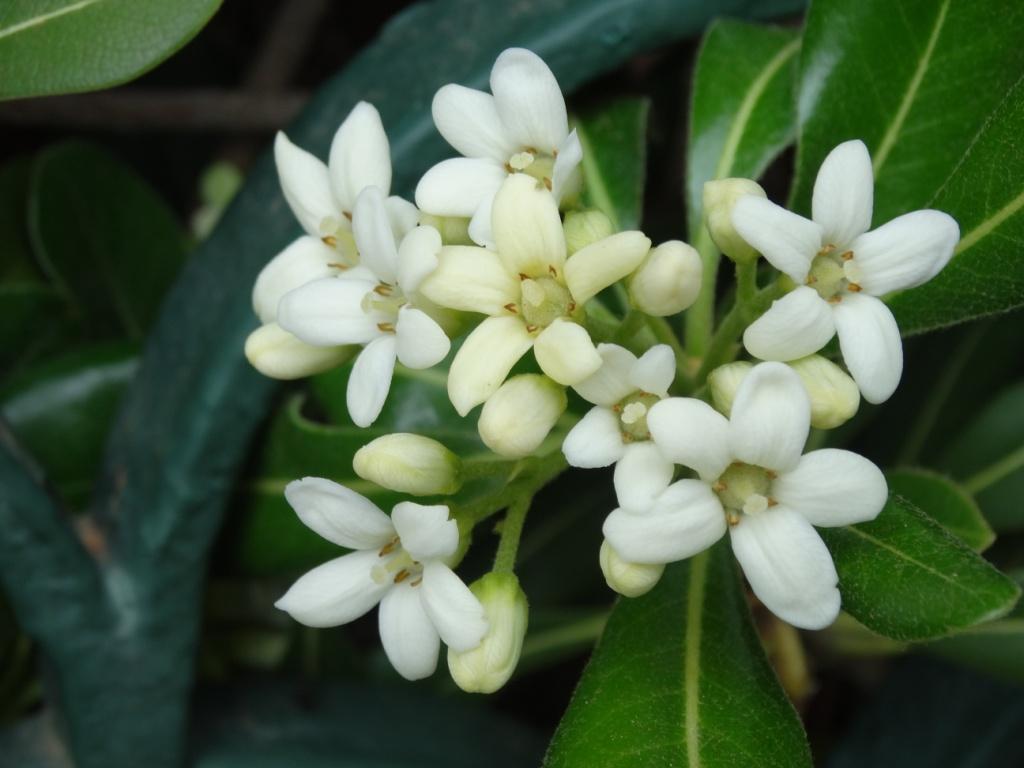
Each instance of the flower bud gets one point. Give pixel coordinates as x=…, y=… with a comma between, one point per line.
x=719, y=198
x=454, y=230
x=409, y=463
x=834, y=395
x=668, y=281
x=724, y=381
x=278, y=354
x=628, y=579
x=488, y=667
x=585, y=227
x=516, y=419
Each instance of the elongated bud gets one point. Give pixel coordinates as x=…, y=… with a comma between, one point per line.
x=409, y=463
x=278, y=354
x=719, y=198
x=454, y=230
x=516, y=419
x=488, y=667
x=723, y=383
x=834, y=395
x=585, y=227
x=668, y=281
x=628, y=579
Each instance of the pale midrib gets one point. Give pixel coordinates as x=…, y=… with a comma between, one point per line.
x=889, y=140
x=691, y=668
x=982, y=230
x=36, y=21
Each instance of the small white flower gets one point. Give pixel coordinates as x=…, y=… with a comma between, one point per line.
x=399, y=562
x=753, y=481
x=372, y=305
x=842, y=269
x=523, y=127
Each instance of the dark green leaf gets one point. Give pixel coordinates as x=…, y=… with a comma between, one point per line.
x=996, y=648
x=16, y=262
x=31, y=320
x=678, y=679
x=904, y=576
x=945, y=502
x=65, y=46
x=935, y=91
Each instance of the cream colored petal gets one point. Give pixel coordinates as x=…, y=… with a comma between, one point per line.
x=527, y=228
x=565, y=352
x=594, y=268
x=484, y=360
x=471, y=279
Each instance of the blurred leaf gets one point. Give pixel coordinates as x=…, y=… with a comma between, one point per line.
x=945, y=502
x=16, y=262
x=31, y=321
x=935, y=91
x=66, y=46
x=679, y=678
x=904, y=576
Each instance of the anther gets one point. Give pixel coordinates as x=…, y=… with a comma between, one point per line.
x=388, y=548
x=835, y=299
x=401, y=576
x=512, y=308
x=383, y=289
x=347, y=215
x=530, y=327
x=523, y=276
x=386, y=327
x=854, y=288
x=771, y=474
x=811, y=280
x=572, y=306
x=846, y=255
x=772, y=502
x=338, y=265
x=732, y=518
x=826, y=249
x=719, y=486
x=547, y=183
x=330, y=240
x=417, y=582
x=552, y=270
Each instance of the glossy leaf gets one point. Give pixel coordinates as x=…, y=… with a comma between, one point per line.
x=614, y=143
x=66, y=46
x=935, y=91
x=945, y=502
x=678, y=679
x=904, y=576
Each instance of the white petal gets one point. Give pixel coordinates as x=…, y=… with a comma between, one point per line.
x=788, y=241
x=375, y=239
x=468, y=119
x=565, y=352
x=833, y=487
x=339, y=514
x=480, y=230
x=421, y=341
x=306, y=187
x=360, y=156
x=426, y=531
x=611, y=382
x=870, y=342
x=687, y=519
x=484, y=360
x=908, y=251
x=654, y=371
x=305, y=260
x=529, y=101
x=452, y=608
x=770, y=418
x=570, y=154
x=456, y=187
x=370, y=380
x=527, y=228
x=471, y=279
x=788, y=566
x=402, y=215
x=692, y=433
x=844, y=194
x=641, y=475
x=337, y=592
x=602, y=263
x=280, y=355
x=797, y=325
x=417, y=257
x=409, y=638
x=328, y=312
x=595, y=441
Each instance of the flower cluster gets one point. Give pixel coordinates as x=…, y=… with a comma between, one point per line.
x=499, y=249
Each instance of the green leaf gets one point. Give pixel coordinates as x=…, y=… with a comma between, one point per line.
x=945, y=502
x=996, y=649
x=904, y=576
x=16, y=262
x=66, y=46
x=678, y=679
x=614, y=143
x=28, y=305
x=935, y=91
x=90, y=218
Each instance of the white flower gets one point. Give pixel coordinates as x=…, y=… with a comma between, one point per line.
x=523, y=127
x=519, y=415
x=753, y=481
x=372, y=305
x=532, y=293
x=399, y=562
x=842, y=269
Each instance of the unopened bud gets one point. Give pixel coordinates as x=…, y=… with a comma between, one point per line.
x=834, y=395
x=668, y=281
x=409, y=463
x=278, y=354
x=719, y=199
x=488, y=667
x=628, y=579
x=585, y=227
x=516, y=419
x=724, y=381
x=454, y=230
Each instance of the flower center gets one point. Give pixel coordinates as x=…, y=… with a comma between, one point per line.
x=341, y=240
x=544, y=300
x=632, y=411
x=384, y=301
x=833, y=272
x=533, y=163
x=396, y=565
x=744, y=489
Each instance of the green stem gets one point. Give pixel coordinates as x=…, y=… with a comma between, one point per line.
x=701, y=315
x=663, y=332
x=577, y=634
x=511, y=533
x=746, y=283
x=993, y=473
x=631, y=325
x=721, y=350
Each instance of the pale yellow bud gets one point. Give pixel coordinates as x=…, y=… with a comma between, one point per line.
x=278, y=354
x=516, y=419
x=488, y=667
x=834, y=395
x=585, y=227
x=628, y=579
x=409, y=463
x=719, y=198
x=668, y=281
x=724, y=381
